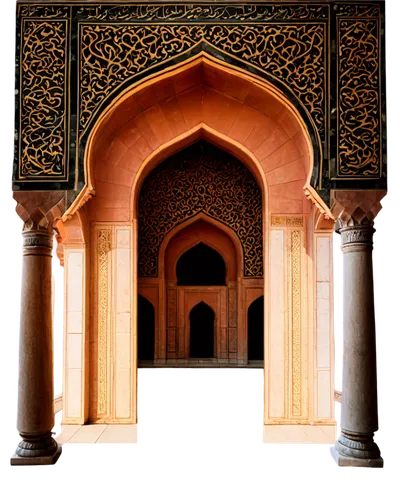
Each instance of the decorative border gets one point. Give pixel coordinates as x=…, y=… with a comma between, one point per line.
x=103, y=248
x=296, y=321
x=202, y=12
x=287, y=220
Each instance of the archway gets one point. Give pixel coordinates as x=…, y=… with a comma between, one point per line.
x=202, y=329
x=255, y=330
x=263, y=131
x=201, y=266
x=146, y=329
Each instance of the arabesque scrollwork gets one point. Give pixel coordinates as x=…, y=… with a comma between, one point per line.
x=43, y=99
x=200, y=179
x=292, y=53
x=359, y=145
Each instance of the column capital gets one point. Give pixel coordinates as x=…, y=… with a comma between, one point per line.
x=355, y=207
x=40, y=210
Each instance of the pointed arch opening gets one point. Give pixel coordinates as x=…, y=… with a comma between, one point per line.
x=202, y=330
x=201, y=266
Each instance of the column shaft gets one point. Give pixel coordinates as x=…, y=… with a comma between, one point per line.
x=359, y=418
x=359, y=399
x=35, y=386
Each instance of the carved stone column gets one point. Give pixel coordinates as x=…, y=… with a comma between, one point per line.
x=359, y=417
x=35, y=385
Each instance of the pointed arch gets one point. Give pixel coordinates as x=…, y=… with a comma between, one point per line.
x=165, y=109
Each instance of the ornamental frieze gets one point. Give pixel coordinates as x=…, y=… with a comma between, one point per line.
x=217, y=13
x=73, y=59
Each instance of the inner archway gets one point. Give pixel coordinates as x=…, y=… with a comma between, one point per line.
x=146, y=327
x=201, y=266
x=202, y=320
x=255, y=329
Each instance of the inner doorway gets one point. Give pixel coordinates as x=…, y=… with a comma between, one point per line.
x=202, y=329
x=255, y=329
x=146, y=327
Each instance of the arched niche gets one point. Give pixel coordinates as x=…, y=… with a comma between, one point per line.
x=201, y=229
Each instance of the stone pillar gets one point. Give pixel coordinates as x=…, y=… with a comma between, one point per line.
x=359, y=418
x=39, y=211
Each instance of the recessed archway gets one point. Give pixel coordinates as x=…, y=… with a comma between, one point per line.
x=203, y=97
x=245, y=118
x=202, y=329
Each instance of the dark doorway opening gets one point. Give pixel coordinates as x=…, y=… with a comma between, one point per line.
x=146, y=329
x=201, y=266
x=255, y=328
x=202, y=320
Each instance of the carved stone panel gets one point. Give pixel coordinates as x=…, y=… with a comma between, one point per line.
x=296, y=321
x=223, y=342
x=359, y=87
x=232, y=333
x=232, y=308
x=103, y=273
x=171, y=338
x=43, y=100
x=172, y=307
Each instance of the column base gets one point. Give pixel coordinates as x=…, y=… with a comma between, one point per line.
x=45, y=461
x=345, y=461
x=43, y=450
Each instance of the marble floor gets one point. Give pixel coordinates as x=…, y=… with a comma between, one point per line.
x=301, y=434
x=97, y=433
